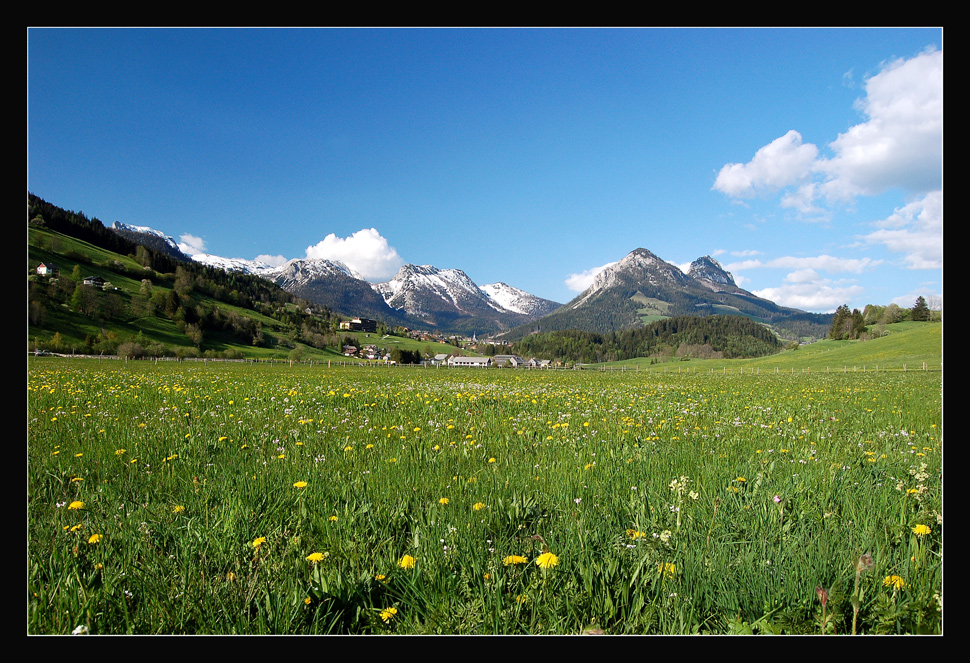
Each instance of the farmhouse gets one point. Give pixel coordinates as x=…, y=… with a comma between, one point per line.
x=470, y=361
x=95, y=281
x=48, y=269
x=359, y=324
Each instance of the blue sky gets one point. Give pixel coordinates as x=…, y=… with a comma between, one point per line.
x=807, y=161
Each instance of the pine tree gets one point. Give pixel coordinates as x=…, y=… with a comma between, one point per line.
x=920, y=311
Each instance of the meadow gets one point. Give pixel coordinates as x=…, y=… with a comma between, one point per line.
x=250, y=499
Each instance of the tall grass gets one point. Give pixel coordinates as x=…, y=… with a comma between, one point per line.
x=673, y=503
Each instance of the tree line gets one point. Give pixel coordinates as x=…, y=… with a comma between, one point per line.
x=715, y=336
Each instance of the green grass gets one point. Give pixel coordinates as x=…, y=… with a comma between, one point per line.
x=912, y=345
x=674, y=503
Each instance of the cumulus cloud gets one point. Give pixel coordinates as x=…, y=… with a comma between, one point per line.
x=803, y=286
x=898, y=145
x=366, y=252
x=916, y=231
x=901, y=142
x=782, y=162
x=582, y=280
x=812, y=295
x=191, y=245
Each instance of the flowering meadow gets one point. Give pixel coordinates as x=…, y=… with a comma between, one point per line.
x=252, y=499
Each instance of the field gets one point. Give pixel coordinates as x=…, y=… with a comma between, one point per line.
x=229, y=498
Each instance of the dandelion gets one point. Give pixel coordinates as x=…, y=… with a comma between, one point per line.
x=307, y=601
x=668, y=570
x=919, y=530
x=75, y=505
x=443, y=500
x=315, y=557
x=512, y=560
x=478, y=506
x=893, y=581
x=300, y=484
x=95, y=538
x=635, y=534
x=387, y=614
x=406, y=562
x=332, y=519
x=178, y=509
x=258, y=541
x=547, y=560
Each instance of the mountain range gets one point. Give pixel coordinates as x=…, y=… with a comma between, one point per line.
x=633, y=291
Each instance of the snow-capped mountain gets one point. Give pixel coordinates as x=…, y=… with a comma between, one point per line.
x=642, y=287
x=518, y=301
x=639, y=266
x=299, y=272
x=117, y=226
x=234, y=264
x=425, y=290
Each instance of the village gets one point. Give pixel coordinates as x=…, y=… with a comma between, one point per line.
x=375, y=351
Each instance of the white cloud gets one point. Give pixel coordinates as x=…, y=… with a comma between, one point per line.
x=823, y=262
x=812, y=295
x=366, y=252
x=582, y=280
x=901, y=142
x=783, y=162
x=275, y=261
x=915, y=230
x=899, y=145
x=191, y=245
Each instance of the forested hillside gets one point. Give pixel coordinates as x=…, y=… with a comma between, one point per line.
x=141, y=300
x=716, y=336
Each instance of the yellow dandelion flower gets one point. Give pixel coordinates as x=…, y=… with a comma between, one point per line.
x=178, y=509
x=491, y=460
x=478, y=506
x=76, y=505
x=387, y=614
x=443, y=500
x=307, y=601
x=921, y=530
x=635, y=534
x=332, y=519
x=300, y=484
x=893, y=581
x=95, y=538
x=315, y=557
x=406, y=562
x=512, y=560
x=258, y=541
x=547, y=560
x=668, y=569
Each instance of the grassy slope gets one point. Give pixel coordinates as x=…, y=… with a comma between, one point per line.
x=909, y=344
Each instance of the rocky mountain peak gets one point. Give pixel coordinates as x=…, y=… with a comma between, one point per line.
x=709, y=269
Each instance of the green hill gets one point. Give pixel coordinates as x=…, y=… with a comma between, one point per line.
x=909, y=345
x=143, y=301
